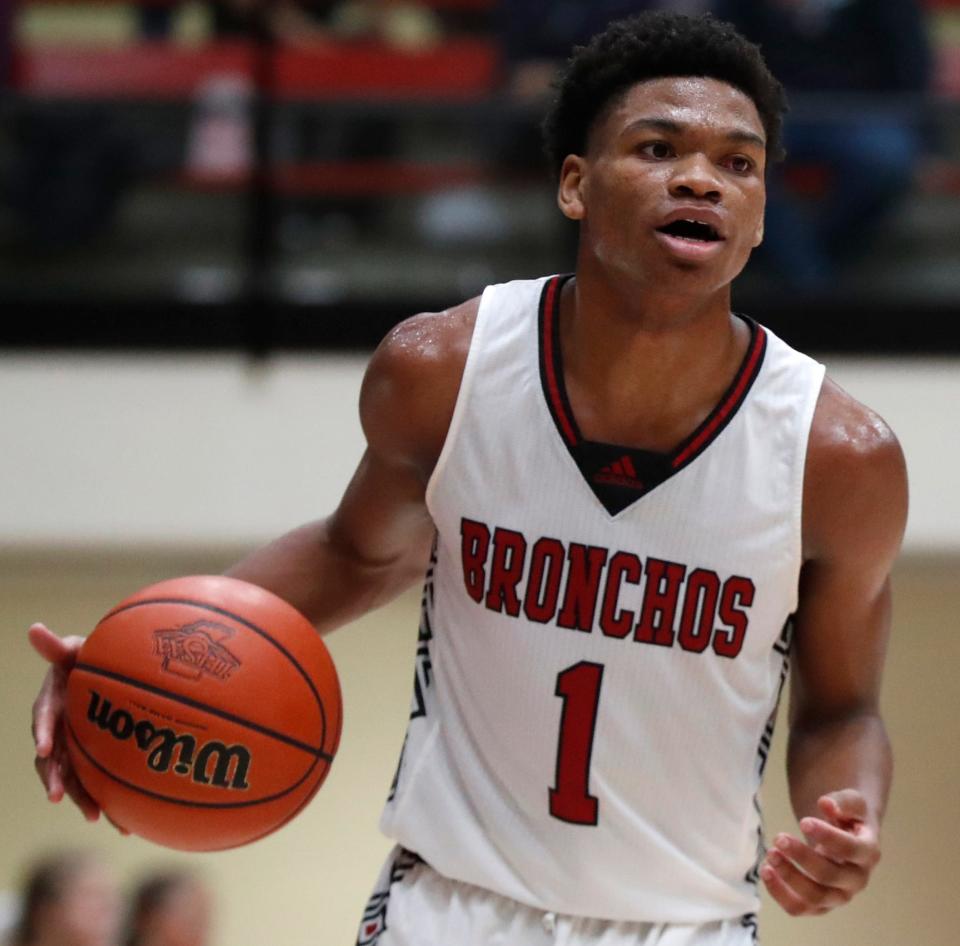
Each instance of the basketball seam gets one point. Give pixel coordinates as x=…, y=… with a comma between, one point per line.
x=248, y=624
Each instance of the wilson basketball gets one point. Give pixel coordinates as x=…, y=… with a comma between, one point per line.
x=203, y=713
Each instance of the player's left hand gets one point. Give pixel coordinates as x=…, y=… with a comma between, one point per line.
x=808, y=878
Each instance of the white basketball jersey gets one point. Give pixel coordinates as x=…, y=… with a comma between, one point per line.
x=604, y=635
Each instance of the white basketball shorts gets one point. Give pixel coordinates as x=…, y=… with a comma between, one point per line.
x=413, y=905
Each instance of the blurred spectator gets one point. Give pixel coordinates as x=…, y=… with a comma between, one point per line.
x=404, y=23
x=284, y=18
x=538, y=35
x=867, y=154
x=69, y=899
x=171, y=908
x=155, y=18
x=287, y=20
x=70, y=171
x=400, y=23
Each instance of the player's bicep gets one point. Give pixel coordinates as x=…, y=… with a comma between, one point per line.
x=855, y=502
x=408, y=396
x=382, y=518
x=840, y=642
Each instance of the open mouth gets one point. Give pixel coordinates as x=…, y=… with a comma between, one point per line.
x=691, y=230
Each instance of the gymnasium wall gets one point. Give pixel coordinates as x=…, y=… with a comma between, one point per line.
x=202, y=451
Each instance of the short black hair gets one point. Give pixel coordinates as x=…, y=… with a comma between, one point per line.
x=653, y=45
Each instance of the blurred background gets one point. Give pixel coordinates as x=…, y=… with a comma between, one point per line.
x=210, y=212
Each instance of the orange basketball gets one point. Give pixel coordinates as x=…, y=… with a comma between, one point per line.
x=203, y=713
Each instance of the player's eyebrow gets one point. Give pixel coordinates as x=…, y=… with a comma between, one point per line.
x=669, y=126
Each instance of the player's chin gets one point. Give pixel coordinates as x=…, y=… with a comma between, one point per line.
x=707, y=275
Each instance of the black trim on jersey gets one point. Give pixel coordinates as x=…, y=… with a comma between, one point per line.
x=373, y=923
x=783, y=647
x=595, y=459
x=423, y=667
x=557, y=400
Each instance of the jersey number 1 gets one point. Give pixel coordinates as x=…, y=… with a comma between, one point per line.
x=579, y=688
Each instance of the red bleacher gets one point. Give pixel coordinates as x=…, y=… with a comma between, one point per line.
x=457, y=69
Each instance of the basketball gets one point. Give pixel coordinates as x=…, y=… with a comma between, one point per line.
x=203, y=713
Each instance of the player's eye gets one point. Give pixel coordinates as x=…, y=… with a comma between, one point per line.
x=740, y=163
x=658, y=150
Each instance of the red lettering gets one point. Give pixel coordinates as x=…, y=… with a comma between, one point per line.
x=474, y=543
x=699, y=610
x=583, y=586
x=736, y=591
x=546, y=561
x=624, y=566
x=660, y=597
x=506, y=569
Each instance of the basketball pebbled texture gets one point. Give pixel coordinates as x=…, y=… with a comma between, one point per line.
x=203, y=713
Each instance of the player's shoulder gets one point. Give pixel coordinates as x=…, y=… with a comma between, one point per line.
x=428, y=341
x=848, y=432
x=412, y=380
x=856, y=477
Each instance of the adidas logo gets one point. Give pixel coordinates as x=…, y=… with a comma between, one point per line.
x=620, y=473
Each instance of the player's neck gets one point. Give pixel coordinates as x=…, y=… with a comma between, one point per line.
x=658, y=363
x=646, y=308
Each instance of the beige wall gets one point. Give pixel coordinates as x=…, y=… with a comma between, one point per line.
x=194, y=450
x=305, y=885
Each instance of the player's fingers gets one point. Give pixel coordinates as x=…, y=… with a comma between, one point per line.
x=828, y=873
x=844, y=806
x=815, y=896
x=88, y=807
x=798, y=894
x=791, y=902
x=48, y=773
x=46, y=713
x=54, y=649
x=71, y=784
x=48, y=706
x=840, y=845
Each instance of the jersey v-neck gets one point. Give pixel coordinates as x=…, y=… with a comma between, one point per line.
x=618, y=475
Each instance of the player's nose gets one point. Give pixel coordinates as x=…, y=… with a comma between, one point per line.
x=696, y=176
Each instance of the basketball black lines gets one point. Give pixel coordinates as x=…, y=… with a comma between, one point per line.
x=206, y=708
x=250, y=626
x=186, y=802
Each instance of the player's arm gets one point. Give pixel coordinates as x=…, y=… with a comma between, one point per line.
x=839, y=763
x=377, y=542
x=374, y=545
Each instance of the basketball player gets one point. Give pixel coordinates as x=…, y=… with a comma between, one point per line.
x=634, y=508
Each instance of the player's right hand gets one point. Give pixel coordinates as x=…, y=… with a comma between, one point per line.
x=52, y=761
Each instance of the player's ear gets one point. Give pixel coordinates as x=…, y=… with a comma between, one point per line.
x=570, y=192
x=758, y=233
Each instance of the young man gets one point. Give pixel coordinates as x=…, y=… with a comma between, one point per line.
x=635, y=507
